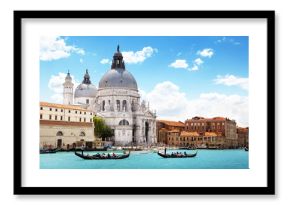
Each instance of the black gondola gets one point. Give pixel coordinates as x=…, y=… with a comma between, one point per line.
x=187, y=148
x=100, y=157
x=176, y=155
x=48, y=151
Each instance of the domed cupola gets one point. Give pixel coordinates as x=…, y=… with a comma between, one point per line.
x=86, y=88
x=118, y=76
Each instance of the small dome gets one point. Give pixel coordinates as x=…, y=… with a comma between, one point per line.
x=118, y=78
x=86, y=90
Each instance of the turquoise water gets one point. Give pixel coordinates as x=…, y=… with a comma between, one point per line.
x=205, y=159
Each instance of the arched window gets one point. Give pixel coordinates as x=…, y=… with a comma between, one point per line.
x=118, y=106
x=123, y=122
x=82, y=134
x=124, y=106
x=59, y=133
x=103, y=105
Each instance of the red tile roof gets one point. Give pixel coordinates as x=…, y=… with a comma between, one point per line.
x=172, y=123
x=54, y=105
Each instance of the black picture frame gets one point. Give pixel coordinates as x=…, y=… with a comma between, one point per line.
x=19, y=189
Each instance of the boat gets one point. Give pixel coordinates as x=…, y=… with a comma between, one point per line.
x=187, y=148
x=48, y=151
x=101, y=157
x=176, y=155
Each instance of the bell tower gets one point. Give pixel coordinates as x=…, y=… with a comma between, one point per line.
x=68, y=90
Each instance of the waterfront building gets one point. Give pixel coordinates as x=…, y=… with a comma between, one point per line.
x=223, y=127
x=65, y=126
x=195, y=139
x=243, y=136
x=117, y=101
x=166, y=128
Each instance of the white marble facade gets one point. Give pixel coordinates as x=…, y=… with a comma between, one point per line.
x=117, y=101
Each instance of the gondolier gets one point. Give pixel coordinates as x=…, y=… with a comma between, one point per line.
x=83, y=147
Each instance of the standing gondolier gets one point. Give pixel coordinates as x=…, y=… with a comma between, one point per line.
x=165, y=151
x=83, y=147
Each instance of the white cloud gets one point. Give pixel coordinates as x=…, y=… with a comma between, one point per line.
x=179, y=64
x=173, y=104
x=55, y=85
x=105, y=61
x=132, y=57
x=194, y=68
x=228, y=40
x=231, y=80
x=166, y=98
x=216, y=104
x=54, y=47
x=198, y=61
x=207, y=52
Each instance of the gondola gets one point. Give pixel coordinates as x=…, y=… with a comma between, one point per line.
x=187, y=148
x=100, y=157
x=176, y=156
x=48, y=151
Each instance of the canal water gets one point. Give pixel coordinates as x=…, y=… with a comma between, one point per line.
x=205, y=159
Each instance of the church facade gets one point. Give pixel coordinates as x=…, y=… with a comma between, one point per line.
x=117, y=101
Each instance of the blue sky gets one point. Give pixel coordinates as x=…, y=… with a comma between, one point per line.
x=181, y=76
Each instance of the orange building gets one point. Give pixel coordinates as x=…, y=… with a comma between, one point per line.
x=195, y=139
x=243, y=136
x=166, y=128
x=224, y=128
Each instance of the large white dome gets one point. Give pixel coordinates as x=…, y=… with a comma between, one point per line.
x=118, y=78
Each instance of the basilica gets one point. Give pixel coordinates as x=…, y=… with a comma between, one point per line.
x=117, y=101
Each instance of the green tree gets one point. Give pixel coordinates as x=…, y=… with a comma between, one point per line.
x=101, y=129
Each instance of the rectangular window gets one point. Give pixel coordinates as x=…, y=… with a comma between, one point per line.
x=76, y=112
x=91, y=113
x=41, y=108
x=80, y=119
x=61, y=110
x=50, y=117
x=84, y=119
x=68, y=118
x=90, y=120
x=60, y=117
x=55, y=117
x=80, y=112
x=85, y=113
x=40, y=116
x=68, y=111
x=87, y=101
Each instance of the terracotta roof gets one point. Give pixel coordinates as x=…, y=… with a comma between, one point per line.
x=72, y=107
x=189, y=134
x=65, y=123
x=172, y=123
x=202, y=119
x=210, y=134
x=242, y=129
x=174, y=130
x=219, y=118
